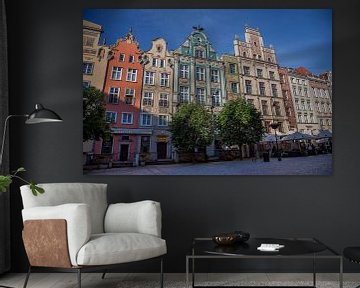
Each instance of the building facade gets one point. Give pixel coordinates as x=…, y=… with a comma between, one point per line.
x=123, y=86
x=156, y=103
x=288, y=101
x=303, y=102
x=95, y=56
x=259, y=78
x=198, y=73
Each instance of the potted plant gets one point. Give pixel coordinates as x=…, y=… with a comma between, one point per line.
x=6, y=180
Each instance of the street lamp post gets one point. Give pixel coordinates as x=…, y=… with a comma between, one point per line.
x=274, y=126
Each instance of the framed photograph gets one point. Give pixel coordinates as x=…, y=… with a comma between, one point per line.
x=207, y=92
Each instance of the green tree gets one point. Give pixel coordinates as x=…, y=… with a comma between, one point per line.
x=239, y=123
x=94, y=122
x=191, y=127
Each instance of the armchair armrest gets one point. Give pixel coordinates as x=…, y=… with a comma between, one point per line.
x=138, y=217
x=77, y=217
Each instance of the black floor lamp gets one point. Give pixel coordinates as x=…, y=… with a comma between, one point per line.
x=39, y=115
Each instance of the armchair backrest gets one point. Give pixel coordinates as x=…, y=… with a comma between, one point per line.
x=92, y=194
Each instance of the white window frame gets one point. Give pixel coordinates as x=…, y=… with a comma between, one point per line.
x=122, y=57
x=131, y=58
x=163, y=120
x=164, y=99
x=154, y=62
x=162, y=63
x=127, y=114
x=116, y=73
x=200, y=73
x=262, y=88
x=164, y=79
x=89, y=68
x=215, y=75
x=148, y=98
x=234, y=85
x=114, y=93
x=184, y=94
x=216, y=97
x=147, y=117
x=247, y=90
x=129, y=92
x=200, y=95
x=149, y=78
x=131, y=75
x=184, y=71
x=112, y=117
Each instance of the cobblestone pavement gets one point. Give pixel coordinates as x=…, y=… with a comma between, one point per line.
x=311, y=165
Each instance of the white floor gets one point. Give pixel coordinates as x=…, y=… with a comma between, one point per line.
x=118, y=280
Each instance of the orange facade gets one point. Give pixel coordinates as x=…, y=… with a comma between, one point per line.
x=123, y=88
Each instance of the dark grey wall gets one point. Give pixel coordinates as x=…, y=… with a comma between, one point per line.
x=45, y=66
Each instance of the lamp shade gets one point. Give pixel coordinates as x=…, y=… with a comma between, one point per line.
x=42, y=115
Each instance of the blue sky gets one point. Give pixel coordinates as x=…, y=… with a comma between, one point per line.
x=301, y=37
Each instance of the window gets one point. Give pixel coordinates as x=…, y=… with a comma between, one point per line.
x=264, y=106
x=235, y=87
x=184, y=94
x=329, y=122
x=129, y=96
x=145, y=144
x=199, y=53
x=259, y=73
x=302, y=105
x=131, y=58
x=200, y=73
x=315, y=92
x=116, y=73
x=250, y=101
x=154, y=62
x=272, y=75
x=232, y=68
x=86, y=84
x=294, y=90
x=306, y=92
x=126, y=118
x=88, y=41
x=300, y=91
x=274, y=90
x=148, y=98
x=308, y=106
x=162, y=63
x=311, y=119
x=262, y=88
x=324, y=107
x=122, y=57
x=146, y=119
x=106, y=147
x=149, y=78
x=277, y=108
x=300, y=118
x=244, y=54
x=164, y=79
x=114, y=95
x=131, y=75
x=110, y=117
x=269, y=59
x=297, y=104
x=163, y=120
x=200, y=95
x=184, y=71
x=163, y=101
x=248, y=87
x=329, y=108
x=306, y=120
x=215, y=95
x=246, y=70
x=214, y=75
x=88, y=68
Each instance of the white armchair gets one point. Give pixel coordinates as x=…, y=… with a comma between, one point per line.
x=71, y=227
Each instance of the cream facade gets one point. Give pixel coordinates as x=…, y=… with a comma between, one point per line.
x=95, y=56
x=303, y=101
x=259, y=79
x=156, y=104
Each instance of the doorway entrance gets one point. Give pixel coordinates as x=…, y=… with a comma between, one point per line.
x=161, y=150
x=124, y=152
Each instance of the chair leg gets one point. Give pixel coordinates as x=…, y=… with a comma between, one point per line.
x=161, y=273
x=79, y=277
x=27, y=277
x=103, y=275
